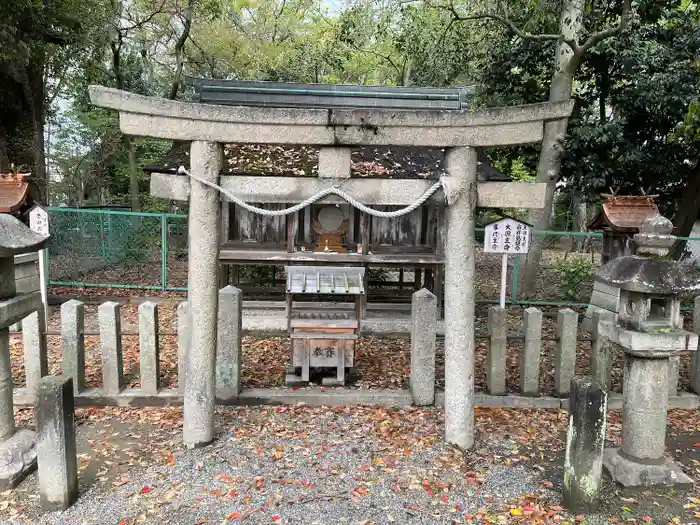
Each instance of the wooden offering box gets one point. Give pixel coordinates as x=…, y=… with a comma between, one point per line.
x=323, y=336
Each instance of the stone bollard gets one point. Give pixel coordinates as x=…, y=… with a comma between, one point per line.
x=229, y=343
x=583, y=465
x=423, y=323
x=56, y=448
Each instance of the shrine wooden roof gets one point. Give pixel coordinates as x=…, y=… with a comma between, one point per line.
x=14, y=191
x=300, y=161
x=624, y=213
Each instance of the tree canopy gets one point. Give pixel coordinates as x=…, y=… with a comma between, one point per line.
x=635, y=127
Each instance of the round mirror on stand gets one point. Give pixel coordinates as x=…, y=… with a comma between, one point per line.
x=330, y=227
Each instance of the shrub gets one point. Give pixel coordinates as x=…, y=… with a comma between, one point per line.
x=574, y=272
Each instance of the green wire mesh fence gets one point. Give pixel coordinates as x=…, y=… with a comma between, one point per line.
x=117, y=249
x=148, y=251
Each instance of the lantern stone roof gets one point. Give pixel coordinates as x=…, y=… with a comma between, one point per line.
x=14, y=191
x=17, y=238
x=624, y=213
x=651, y=274
x=302, y=161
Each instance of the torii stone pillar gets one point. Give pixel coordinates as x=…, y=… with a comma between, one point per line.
x=17, y=446
x=458, y=131
x=459, y=296
x=203, y=294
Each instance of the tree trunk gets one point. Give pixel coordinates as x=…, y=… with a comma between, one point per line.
x=552, y=150
x=133, y=174
x=580, y=219
x=36, y=78
x=687, y=213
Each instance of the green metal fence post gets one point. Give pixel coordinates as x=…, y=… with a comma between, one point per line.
x=164, y=251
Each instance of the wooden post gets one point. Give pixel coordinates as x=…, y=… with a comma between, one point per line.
x=365, y=225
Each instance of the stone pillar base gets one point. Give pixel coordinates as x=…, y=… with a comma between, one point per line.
x=629, y=473
x=17, y=458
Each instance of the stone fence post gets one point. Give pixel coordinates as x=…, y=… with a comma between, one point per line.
x=423, y=326
x=56, y=448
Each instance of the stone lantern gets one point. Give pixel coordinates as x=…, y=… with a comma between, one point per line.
x=17, y=446
x=649, y=328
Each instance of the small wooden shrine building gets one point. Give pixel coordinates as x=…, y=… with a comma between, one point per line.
x=411, y=242
x=619, y=218
x=15, y=194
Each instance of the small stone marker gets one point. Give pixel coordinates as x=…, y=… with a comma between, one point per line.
x=423, y=322
x=229, y=343
x=583, y=466
x=56, y=449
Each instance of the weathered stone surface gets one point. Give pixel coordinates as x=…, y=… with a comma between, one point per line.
x=423, y=322
x=653, y=276
x=17, y=458
x=56, y=447
x=583, y=463
x=655, y=236
x=644, y=408
x=183, y=342
x=565, y=353
x=16, y=238
x=149, y=353
x=695, y=363
x=161, y=118
x=202, y=283
x=673, y=375
x=229, y=342
x=17, y=308
x=498, y=349
x=460, y=299
x=530, y=358
x=73, y=342
x=371, y=192
x=109, y=319
x=630, y=473
x=7, y=417
x=649, y=345
x=7, y=281
x=334, y=163
x=601, y=349
x=36, y=363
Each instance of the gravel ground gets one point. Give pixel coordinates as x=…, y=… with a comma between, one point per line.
x=304, y=466
x=365, y=465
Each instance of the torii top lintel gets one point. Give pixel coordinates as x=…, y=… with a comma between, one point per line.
x=169, y=119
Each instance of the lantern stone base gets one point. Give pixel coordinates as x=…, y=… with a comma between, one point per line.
x=629, y=472
x=17, y=458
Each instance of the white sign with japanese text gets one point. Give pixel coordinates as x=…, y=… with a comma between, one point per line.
x=39, y=223
x=39, y=220
x=507, y=236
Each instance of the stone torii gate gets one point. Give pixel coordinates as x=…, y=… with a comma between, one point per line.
x=334, y=131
